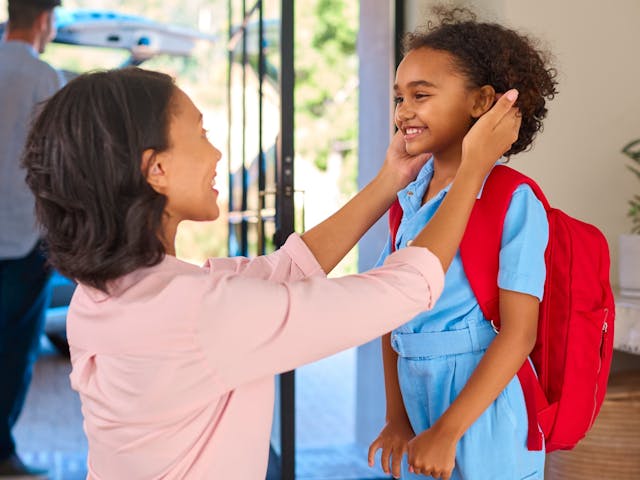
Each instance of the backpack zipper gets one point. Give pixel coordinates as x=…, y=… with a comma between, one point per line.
x=543, y=375
x=605, y=329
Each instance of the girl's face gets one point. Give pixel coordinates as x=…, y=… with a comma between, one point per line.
x=186, y=172
x=434, y=104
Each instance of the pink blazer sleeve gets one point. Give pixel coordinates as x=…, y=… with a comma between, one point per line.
x=293, y=261
x=251, y=327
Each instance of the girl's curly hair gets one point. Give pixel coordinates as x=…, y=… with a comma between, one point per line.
x=490, y=54
x=83, y=157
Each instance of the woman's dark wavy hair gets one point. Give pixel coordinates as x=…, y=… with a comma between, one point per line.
x=490, y=54
x=83, y=159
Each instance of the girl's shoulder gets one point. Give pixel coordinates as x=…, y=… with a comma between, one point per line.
x=524, y=199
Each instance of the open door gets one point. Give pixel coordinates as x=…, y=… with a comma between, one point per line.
x=260, y=151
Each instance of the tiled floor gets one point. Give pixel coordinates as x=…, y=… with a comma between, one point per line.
x=49, y=432
x=347, y=462
x=325, y=421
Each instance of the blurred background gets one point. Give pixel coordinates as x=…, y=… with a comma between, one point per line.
x=298, y=97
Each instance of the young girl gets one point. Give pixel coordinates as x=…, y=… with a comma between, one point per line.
x=452, y=394
x=174, y=363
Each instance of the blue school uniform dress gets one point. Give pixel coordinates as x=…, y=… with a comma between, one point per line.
x=439, y=350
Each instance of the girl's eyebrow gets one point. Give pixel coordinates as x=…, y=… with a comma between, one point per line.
x=417, y=83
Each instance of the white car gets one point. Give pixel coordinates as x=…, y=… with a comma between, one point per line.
x=142, y=37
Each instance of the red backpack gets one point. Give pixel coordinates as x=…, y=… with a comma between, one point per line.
x=573, y=350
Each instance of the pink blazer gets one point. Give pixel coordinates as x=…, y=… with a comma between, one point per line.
x=175, y=368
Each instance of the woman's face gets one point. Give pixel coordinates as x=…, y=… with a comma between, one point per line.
x=434, y=105
x=186, y=172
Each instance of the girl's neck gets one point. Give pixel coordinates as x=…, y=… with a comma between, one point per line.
x=446, y=164
x=445, y=167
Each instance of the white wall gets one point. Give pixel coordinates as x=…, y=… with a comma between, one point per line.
x=577, y=158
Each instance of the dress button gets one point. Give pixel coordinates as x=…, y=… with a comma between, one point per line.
x=409, y=193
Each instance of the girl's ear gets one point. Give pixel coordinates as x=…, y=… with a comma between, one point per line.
x=484, y=98
x=153, y=169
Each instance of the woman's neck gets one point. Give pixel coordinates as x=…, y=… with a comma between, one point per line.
x=169, y=232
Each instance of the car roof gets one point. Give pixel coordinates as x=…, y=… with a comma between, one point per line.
x=142, y=37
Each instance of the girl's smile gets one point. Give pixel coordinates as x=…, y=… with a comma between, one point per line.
x=411, y=133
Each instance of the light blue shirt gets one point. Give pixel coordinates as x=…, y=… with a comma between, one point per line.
x=25, y=82
x=522, y=268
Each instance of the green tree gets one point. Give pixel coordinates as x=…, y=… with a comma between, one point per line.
x=326, y=80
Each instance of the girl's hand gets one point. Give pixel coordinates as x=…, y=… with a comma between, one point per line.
x=393, y=441
x=432, y=453
x=400, y=167
x=492, y=135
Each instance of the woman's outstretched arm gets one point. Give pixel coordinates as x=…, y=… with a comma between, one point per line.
x=293, y=323
x=332, y=239
x=488, y=139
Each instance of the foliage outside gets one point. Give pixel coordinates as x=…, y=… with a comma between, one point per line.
x=326, y=99
x=632, y=150
x=327, y=83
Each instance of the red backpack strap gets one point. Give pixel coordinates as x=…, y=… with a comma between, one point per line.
x=480, y=246
x=480, y=252
x=395, y=217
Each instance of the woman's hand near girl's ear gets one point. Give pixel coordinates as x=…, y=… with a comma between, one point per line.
x=492, y=135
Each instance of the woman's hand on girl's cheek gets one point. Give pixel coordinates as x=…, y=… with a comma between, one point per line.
x=432, y=453
x=398, y=165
